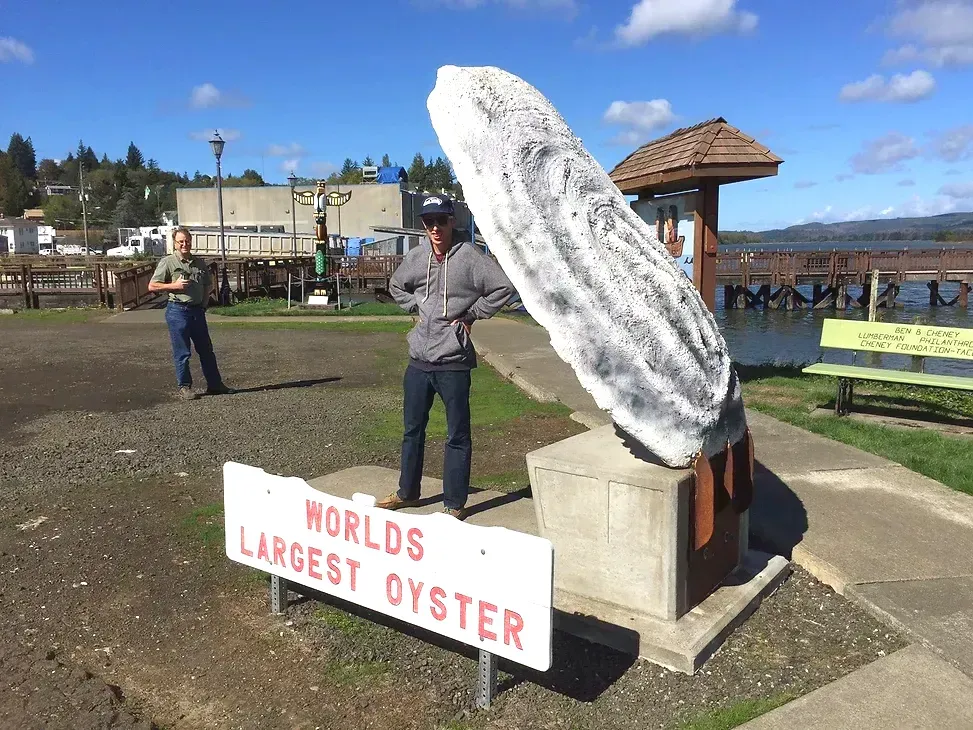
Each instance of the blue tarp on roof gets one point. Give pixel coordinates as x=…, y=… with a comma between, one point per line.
x=392, y=175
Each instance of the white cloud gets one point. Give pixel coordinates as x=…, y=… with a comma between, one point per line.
x=942, y=28
x=907, y=183
x=13, y=50
x=841, y=177
x=207, y=96
x=285, y=150
x=951, y=171
x=827, y=215
x=651, y=18
x=958, y=191
x=647, y=115
x=205, y=135
x=638, y=119
x=884, y=154
x=954, y=144
x=804, y=184
x=915, y=207
x=323, y=169
x=900, y=88
x=290, y=166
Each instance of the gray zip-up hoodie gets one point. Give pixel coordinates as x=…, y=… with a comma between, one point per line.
x=468, y=285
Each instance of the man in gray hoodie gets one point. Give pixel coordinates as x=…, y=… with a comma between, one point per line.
x=450, y=285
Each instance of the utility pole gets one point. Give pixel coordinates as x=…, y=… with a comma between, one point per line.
x=84, y=204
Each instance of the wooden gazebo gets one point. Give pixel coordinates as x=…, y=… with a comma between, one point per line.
x=698, y=158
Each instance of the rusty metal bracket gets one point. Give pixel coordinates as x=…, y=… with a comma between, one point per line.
x=727, y=475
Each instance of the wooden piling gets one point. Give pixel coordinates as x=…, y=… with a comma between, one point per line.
x=729, y=296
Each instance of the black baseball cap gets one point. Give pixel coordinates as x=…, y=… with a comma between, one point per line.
x=436, y=205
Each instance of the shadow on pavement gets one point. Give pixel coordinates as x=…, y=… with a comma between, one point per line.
x=283, y=386
x=778, y=519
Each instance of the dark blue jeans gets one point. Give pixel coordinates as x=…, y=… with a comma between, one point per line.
x=420, y=389
x=188, y=324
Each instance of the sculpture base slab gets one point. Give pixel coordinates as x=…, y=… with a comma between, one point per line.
x=621, y=526
x=319, y=300
x=685, y=644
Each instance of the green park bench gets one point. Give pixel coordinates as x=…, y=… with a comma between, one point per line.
x=917, y=340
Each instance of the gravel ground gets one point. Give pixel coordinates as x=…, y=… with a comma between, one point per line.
x=115, y=590
x=96, y=392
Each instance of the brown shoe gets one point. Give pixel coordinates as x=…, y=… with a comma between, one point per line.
x=394, y=501
x=459, y=514
x=187, y=393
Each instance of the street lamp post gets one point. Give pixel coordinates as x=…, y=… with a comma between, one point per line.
x=217, y=144
x=293, y=182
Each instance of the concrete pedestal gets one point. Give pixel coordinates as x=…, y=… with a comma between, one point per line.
x=624, y=572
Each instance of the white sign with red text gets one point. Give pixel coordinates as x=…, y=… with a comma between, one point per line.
x=488, y=587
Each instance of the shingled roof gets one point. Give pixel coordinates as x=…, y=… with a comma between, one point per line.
x=713, y=150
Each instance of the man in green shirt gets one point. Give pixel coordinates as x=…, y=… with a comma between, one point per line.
x=187, y=281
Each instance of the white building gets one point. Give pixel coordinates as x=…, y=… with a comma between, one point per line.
x=21, y=236
x=45, y=236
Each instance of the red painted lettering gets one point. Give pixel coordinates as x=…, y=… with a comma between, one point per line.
x=486, y=621
x=313, y=566
x=415, y=547
x=351, y=526
x=297, y=561
x=334, y=571
x=416, y=591
x=393, y=589
x=438, y=609
x=243, y=544
x=368, y=531
x=279, y=548
x=332, y=521
x=354, y=565
x=262, y=553
x=392, y=531
x=464, y=601
x=313, y=515
x=512, y=624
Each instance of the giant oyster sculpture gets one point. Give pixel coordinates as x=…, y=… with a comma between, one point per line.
x=592, y=273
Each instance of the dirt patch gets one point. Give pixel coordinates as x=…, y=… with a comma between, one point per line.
x=39, y=690
x=112, y=563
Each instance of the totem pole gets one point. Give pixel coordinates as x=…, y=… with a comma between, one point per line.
x=321, y=200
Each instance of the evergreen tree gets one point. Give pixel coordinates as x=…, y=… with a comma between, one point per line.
x=14, y=193
x=134, y=160
x=368, y=162
x=386, y=162
x=48, y=170
x=438, y=175
x=21, y=153
x=417, y=172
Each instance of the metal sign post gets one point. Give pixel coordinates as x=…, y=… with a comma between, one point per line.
x=486, y=682
x=278, y=595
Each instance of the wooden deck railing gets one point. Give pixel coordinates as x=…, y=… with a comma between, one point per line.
x=785, y=268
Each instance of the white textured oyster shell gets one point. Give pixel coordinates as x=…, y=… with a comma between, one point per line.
x=589, y=270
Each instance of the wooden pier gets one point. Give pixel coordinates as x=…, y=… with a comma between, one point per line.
x=839, y=279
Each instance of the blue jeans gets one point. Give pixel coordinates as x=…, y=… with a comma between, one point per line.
x=420, y=389
x=189, y=324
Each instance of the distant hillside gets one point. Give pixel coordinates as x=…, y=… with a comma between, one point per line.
x=947, y=227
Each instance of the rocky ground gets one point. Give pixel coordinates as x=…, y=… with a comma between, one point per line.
x=119, y=609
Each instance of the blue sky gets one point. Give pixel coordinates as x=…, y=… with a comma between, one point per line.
x=868, y=102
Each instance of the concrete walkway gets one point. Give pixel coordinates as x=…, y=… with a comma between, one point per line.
x=911, y=688
x=898, y=543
